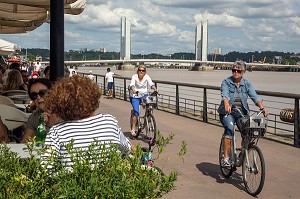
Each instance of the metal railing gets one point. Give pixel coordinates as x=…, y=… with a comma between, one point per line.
x=200, y=102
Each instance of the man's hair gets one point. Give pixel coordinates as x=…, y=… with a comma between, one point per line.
x=15, y=65
x=108, y=69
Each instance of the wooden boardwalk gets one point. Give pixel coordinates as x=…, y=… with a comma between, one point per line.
x=199, y=172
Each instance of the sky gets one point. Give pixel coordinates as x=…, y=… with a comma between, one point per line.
x=168, y=26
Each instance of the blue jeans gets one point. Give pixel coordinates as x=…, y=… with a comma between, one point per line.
x=228, y=122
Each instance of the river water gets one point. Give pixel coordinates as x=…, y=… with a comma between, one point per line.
x=286, y=82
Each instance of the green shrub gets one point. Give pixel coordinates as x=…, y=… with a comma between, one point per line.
x=108, y=175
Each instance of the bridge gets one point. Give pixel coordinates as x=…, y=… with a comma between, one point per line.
x=199, y=172
x=188, y=64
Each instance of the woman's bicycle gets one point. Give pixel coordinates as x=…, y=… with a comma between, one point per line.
x=249, y=156
x=147, y=121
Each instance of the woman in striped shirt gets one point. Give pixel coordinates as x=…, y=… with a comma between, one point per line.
x=74, y=100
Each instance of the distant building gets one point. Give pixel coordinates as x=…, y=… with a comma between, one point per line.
x=125, y=47
x=201, y=41
x=218, y=51
x=102, y=50
x=83, y=49
x=39, y=58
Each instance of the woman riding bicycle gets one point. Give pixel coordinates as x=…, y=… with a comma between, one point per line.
x=234, y=92
x=138, y=87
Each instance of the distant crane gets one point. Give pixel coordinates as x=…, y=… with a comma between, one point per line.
x=264, y=60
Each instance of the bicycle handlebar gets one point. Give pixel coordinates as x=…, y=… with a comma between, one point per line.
x=243, y=115
x=138, y=94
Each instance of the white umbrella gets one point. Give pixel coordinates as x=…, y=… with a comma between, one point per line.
x=7, y=47
x=20, y=16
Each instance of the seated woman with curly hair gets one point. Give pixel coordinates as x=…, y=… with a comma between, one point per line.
x=75, y=100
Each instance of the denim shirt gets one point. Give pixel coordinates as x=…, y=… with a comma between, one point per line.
x=229, y=90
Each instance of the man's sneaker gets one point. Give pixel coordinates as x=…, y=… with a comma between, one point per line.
x=226, y=163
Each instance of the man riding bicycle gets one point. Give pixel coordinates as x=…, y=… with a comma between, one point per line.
x=234, y=91
x=138, y=87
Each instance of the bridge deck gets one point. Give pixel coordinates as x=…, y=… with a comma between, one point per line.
x=199, y=173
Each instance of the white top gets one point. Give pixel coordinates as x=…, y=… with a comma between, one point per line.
x=91, y=77
x=37, y=67
x=103, y=128
x=140, y=86
x=71, y=70
x=109, y=76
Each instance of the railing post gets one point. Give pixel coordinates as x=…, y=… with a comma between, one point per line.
x=296, y=124
x=205, y=118
x=125, y=90
x=177, y=100
x=114, y=92
x=104, y=83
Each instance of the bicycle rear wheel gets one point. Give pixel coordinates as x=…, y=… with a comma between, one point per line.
x=137, y=130
x=151, y=127
x=254, y=171
x=226, y=171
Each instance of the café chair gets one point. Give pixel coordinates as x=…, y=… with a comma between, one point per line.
x=10, y=102
x=18, y=96
x=6, y=100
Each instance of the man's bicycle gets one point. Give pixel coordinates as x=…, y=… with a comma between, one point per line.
x=249, y=156
x=147, y=121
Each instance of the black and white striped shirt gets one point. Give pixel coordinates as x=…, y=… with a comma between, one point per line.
x=102, y=128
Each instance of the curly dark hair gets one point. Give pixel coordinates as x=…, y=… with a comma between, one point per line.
x=73, y=98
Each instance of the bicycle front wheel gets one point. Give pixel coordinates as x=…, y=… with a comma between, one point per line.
x=226, y=171
x=254, y=171
x=150, y=127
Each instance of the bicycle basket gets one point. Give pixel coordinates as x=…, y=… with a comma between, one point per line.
x=257, y=126
x=151, y=100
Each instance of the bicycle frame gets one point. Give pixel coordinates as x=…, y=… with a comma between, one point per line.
x=147, y=120
x=250, y=156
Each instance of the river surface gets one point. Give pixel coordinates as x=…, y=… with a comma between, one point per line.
x=286, y=82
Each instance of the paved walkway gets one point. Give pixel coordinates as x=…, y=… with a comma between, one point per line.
x=199, y=173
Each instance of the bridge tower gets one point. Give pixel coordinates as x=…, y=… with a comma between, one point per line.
x=125, y=43
x=201, y=41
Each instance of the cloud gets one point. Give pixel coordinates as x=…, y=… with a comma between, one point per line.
x=223, y=19
x=161, y=28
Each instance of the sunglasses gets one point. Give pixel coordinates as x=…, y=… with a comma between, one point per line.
x=34, y=95
x=142, y=71
x=236, y=71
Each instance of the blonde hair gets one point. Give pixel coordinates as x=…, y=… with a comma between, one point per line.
x=141, y=66
x=14, y=80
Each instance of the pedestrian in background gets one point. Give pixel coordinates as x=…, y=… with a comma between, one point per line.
x=91, y=76
x=110, y=82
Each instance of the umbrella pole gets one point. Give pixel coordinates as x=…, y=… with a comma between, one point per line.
x=56, y=39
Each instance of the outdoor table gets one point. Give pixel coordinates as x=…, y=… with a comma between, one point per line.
x=19, y=149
